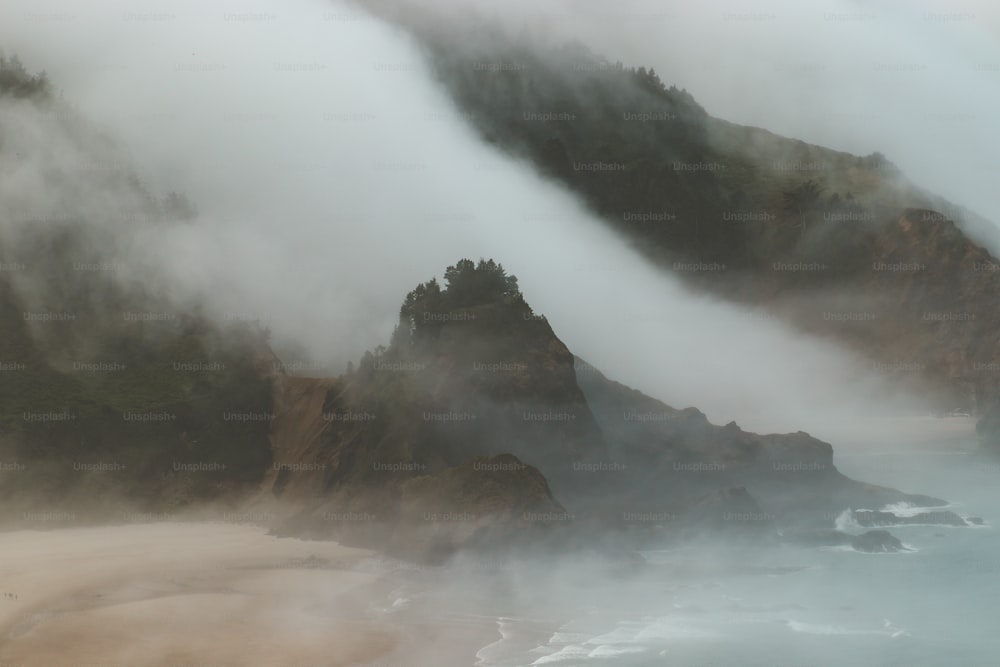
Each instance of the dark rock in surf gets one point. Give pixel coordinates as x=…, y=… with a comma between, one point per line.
x=877, y=541
x=872, y=518
x=873, y=541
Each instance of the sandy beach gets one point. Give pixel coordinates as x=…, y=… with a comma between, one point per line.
x=205, y=594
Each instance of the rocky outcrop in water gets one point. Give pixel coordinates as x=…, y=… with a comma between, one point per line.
x=871, y=518
x=872, y=541
x=876, y=541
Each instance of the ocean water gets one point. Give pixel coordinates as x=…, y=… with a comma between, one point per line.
x=934, y=605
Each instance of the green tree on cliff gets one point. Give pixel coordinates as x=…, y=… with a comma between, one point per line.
x=467, y=285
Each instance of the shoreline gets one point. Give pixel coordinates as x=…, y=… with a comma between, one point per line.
x=168, y=594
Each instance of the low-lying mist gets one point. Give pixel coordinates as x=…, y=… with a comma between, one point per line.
x=169, y=593
x=332, y=174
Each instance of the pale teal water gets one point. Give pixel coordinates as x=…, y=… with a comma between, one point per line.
x=936, y=606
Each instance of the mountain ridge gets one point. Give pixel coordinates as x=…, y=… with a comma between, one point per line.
x=740, y=212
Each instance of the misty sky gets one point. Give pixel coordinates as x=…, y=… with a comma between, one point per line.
x=333, y=174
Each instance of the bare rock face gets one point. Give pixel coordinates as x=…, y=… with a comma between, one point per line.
x=483, y=504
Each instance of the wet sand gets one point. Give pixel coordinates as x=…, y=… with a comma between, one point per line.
x=204, y=594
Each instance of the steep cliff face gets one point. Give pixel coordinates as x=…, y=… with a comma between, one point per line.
x=480, y=374
x=942, y=314
x=924, y=311
x=368, y=470
x=471, y=374
x=298, y=435
x=440, y=424
x=485, y=505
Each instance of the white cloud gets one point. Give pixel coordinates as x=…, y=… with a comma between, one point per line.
x=333, y=174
